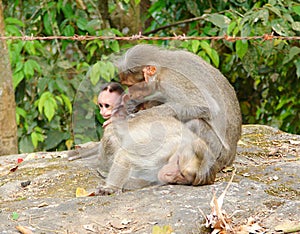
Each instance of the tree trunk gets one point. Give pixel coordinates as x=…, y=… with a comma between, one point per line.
x=8, y=125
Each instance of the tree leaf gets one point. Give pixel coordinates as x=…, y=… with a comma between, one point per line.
x=195, y=46
x=95, y=73
x=297, y=63
x=47, y=24
x=294, y=51
x=25, y=145
x=42, y=100
x=206, y=47
x=296, y=9
x=36, y=138
x=29, y=47
x=21, y=111
x=68, y=11
x=28, y=69
x=241, y=48
x=67, y=103
x=17, y=78
x=30, y=66
x=114, y=45
x=82, y=23
x=54, y=138
x=69, y=31
x=50, y=107
x=219, y=20
x=11, y=20
x=215, y=57
x=296, y=26
x=231, y=26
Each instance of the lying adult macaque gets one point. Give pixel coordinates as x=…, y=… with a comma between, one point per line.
x=156, y=150
x=195, y=93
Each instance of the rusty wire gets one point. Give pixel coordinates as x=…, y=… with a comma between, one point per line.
x=151, y=38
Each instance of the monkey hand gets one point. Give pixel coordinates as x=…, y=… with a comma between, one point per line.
x=107, y=122
x=105, y=190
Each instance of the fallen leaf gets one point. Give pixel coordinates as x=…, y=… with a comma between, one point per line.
x=126, y=221
x=14, y=169
x=31, y=156
x=273, y=151
x=81, y=192
x=288, y=227
x=228, y=169
x=25, y=184
x=19, y=160
x=91, y=227
x=15, y=216
x=294, y=142
x=24, y=230
x=162, y=230
x=117, y=224
x=43, y=204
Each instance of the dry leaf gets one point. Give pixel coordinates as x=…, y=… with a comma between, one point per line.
x=91, y=227
x=14, y=169
x=117, y=224
x=288, y=227
x=24, y=230
x=43, y=204
x=81, y=192
x=218, y=219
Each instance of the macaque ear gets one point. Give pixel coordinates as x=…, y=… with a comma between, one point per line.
x=149, y=71
x=125, y=99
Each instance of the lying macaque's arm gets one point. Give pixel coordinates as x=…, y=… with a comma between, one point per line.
x=84, y=151
x=182, y=112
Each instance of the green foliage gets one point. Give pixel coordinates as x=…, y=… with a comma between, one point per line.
x=265, y=74
x=47, y=74
x=56, y=81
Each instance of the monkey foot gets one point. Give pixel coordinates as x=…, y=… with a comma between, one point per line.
x=104, y=191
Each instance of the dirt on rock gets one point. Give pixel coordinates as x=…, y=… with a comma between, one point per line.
x=38, y=193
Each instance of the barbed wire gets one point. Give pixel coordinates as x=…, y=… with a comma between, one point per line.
x=152, y=38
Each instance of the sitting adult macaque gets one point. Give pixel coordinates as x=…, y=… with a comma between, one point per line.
x=153, y=150
x=195, y=93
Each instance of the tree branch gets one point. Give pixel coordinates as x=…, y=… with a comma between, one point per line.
x=174, y=24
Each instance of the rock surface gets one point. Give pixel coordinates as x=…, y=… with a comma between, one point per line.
x=39, y=193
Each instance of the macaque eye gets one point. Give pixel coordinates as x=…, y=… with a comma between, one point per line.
x=105, y=105
x=130, y=71
x=179, y=168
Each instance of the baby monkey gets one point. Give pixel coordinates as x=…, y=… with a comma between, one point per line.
x=111, y=96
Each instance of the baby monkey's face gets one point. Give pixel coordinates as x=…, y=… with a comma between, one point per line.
x=107, y=101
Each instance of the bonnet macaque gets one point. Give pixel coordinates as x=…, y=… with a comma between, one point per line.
x=195, y=93
x=110, y=97
x=154, y=149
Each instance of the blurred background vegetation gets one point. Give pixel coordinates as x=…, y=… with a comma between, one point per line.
x=56, y=81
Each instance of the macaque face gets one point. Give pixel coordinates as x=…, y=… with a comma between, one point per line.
x=178, y=171
x=139, y=90
x=107, y=101
x=132, y=77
